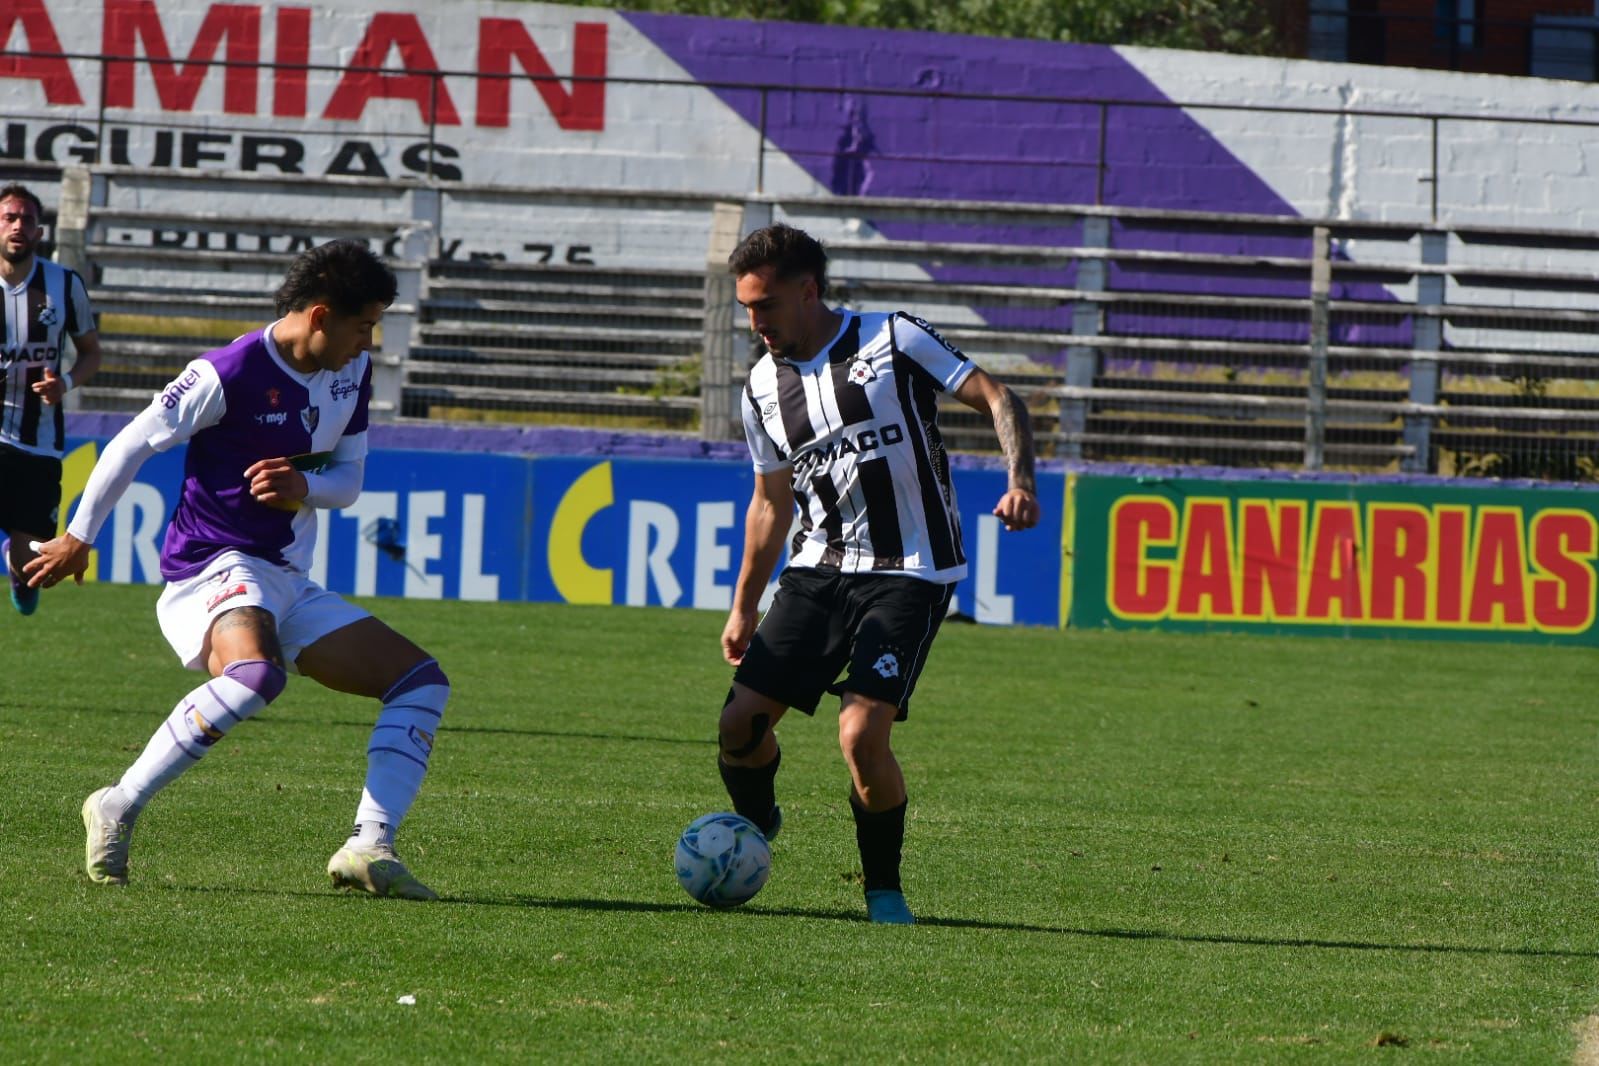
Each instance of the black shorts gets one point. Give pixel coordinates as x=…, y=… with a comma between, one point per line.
x=30, y=492
x=878, y=625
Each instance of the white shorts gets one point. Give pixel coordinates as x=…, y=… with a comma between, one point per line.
x=305, y=611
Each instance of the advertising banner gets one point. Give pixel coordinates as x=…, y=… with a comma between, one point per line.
x=1333, y=558
x=469, y=526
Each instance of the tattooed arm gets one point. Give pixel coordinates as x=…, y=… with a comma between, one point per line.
x=1018, y=508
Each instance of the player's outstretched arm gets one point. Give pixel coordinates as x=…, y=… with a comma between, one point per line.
x=68, y=555
x=1018, y=508
x=766, y=523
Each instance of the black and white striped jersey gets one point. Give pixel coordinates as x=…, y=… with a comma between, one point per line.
x=858, y=426
x=38, y=315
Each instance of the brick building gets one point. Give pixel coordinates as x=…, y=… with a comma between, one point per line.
x=1550, y=38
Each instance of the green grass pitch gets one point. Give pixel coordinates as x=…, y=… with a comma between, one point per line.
x=1122, y=847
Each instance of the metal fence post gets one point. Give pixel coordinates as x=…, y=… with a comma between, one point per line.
x=1316, y=381
x=1428, y=336
x=1088, y=320
x=415, y=246
x=718, y=389
x=72, y=237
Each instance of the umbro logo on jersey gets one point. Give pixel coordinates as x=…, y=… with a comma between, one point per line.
x=48, y=315
x=273, y=395
x=770, y=409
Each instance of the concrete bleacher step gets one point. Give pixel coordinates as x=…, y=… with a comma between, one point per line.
x=677, y=410
x=483, y=354
x=576, y=339
x=555, y=378
x=581, y=292
x=496, y=314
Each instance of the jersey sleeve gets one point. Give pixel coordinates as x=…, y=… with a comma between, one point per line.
x=80, y=315
x=192, y=402
x=763, y=450
x=946, y=364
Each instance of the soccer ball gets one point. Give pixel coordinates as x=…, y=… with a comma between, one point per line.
x=722, y=860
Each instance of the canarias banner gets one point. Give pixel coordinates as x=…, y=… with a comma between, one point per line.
x=1333, y=558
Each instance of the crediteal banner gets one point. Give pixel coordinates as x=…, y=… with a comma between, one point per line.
x=1333, y=558
x=559, y=529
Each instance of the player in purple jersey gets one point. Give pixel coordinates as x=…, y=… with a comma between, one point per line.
x=41, y=304
x=276, y=425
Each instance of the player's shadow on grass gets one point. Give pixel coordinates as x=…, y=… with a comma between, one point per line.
x=550, y=903
x=755, y=912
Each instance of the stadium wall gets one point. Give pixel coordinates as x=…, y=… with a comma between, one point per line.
x=540, y=94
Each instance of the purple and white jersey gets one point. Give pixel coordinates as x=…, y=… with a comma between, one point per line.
x=238, y=405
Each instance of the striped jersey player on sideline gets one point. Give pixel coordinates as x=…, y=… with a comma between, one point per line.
x=841, y=419
x=41, y=304
x=276, y=426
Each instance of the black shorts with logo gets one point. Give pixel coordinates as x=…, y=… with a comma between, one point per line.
x=879, y=626
x=30, y=491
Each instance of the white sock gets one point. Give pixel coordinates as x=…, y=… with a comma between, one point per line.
x=200, y=719
x=397, y=756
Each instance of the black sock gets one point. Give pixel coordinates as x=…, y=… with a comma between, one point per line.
x=752, y=789
x=880, y=835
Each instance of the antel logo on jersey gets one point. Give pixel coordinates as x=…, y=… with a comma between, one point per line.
x=867, y=440
x=175, y=391
x=341, y=388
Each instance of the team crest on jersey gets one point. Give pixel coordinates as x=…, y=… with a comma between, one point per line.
x=860, y=372
x=310, y=417
x=48, y=315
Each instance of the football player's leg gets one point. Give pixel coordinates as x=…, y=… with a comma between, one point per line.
x=897, y=624
x=248, y=674
x=797, y=649
x=367, y=658
x=877, y=800
x=748, y=755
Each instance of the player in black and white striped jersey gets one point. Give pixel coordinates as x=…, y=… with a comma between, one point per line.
x=41, y=304
x=841, y=419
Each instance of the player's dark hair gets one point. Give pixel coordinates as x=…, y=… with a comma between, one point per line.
x=344, y=274
x=793, y=252
x=22, y=192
